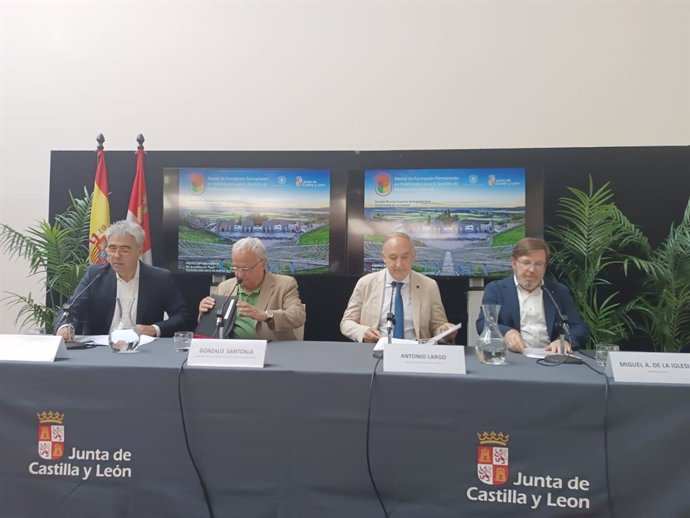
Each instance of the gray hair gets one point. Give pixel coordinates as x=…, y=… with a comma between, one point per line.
x=250, y=244
x=402, y=235
x=125, y=227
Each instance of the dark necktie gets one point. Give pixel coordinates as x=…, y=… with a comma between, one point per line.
x=399, y=329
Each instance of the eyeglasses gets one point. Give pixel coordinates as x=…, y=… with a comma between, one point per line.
x=529, y=264
x=245, y=269
x=123, y=250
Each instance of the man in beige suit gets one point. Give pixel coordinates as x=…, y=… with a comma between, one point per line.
x=268, y=306
x=365, y=317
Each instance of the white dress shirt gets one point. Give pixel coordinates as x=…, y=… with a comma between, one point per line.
x=532, y=319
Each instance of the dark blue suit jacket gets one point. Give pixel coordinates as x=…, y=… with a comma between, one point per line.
x=93, y=311
x=504, y=292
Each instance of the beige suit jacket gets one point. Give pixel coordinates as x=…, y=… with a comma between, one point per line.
x=278, y=294
x=364, y=309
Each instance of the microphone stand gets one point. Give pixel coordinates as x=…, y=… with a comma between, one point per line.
x=563, y=331
x=390, y=321
x=68, y=307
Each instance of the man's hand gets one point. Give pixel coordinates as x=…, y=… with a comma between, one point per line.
x=371, y=335
x=514, y=340
x=555, y=347
x=66, y=332
x=205, y=306
x=145, y=330
x=247, y=310
x=445, y=327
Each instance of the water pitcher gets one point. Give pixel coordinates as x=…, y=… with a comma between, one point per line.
x=491, y=347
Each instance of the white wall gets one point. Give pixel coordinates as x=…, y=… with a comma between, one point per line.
x=329, y=74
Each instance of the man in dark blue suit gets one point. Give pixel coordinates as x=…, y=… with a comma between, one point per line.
x=529, y=317
x=125, y=291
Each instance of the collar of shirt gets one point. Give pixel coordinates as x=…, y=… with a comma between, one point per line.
x=390, y=279
x=136, y=275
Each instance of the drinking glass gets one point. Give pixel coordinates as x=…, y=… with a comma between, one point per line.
x=182, y=340
x=602, y=353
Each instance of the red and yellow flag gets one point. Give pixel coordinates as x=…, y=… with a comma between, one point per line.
x=138, y=209
x=100, y=213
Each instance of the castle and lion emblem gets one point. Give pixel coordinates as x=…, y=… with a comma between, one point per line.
x=51, y=435
x=492, y=458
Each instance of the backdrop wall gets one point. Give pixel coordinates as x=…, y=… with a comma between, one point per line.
x=331, y=74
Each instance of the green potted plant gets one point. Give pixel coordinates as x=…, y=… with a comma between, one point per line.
x=664, y=302
x=594, y=239
x=57, y=252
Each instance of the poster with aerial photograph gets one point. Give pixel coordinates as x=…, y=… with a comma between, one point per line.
x=464, y=222
x=288, y=209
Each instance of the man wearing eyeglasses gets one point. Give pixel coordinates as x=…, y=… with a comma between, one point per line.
x=125, y=291
x=530, y=305
x=268, y=304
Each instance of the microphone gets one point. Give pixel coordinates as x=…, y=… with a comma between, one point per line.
x=563, y=332
x=390, y=317
x=390, y=322
x=67, y=307
x=223, y=314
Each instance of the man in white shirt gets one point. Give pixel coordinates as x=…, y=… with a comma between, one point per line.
x=531, y=306
x=125, y=290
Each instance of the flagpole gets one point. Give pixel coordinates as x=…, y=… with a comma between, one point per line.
x=100, y=207
x=138, y=210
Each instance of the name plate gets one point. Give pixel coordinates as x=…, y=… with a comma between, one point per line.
x=32, y=348
x=227, y=353
x=640, y=367
x=424, y=358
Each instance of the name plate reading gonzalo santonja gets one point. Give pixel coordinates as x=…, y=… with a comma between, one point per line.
x=227, y=353
x=423, y=358
x=637, y=367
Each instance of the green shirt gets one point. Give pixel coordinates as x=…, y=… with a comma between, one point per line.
x=245, y=327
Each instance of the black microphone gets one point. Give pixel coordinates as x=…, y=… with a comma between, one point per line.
x=67, y=306
x=390, y=322
x=563, y=332
x=390, y=317
x=221, y=316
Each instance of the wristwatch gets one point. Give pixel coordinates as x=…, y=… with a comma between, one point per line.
x=269, y=317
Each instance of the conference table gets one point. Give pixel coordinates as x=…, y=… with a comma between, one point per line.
x=145, y=435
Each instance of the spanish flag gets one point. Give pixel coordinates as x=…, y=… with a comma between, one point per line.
x=100, y=213
x=138, y=210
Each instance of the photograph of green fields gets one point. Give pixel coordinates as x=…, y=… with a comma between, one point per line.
x=464, y=222
x=287, y=209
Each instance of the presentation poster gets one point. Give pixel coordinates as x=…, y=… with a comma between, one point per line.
x=288, y=209
x=463, y=221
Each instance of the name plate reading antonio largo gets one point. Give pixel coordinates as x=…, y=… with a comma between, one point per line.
x=424, y=358
x=227, y=353
x=641, y=367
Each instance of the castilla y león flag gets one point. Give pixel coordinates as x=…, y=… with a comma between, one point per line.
x=138, y=209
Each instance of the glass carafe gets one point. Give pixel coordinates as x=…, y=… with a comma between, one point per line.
x=491, y=347
x=124, y=337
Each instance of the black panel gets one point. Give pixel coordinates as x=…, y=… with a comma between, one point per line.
x=651, y=187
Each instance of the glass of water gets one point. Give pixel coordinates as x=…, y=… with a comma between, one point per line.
x=602, y=353
x=182, y=340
